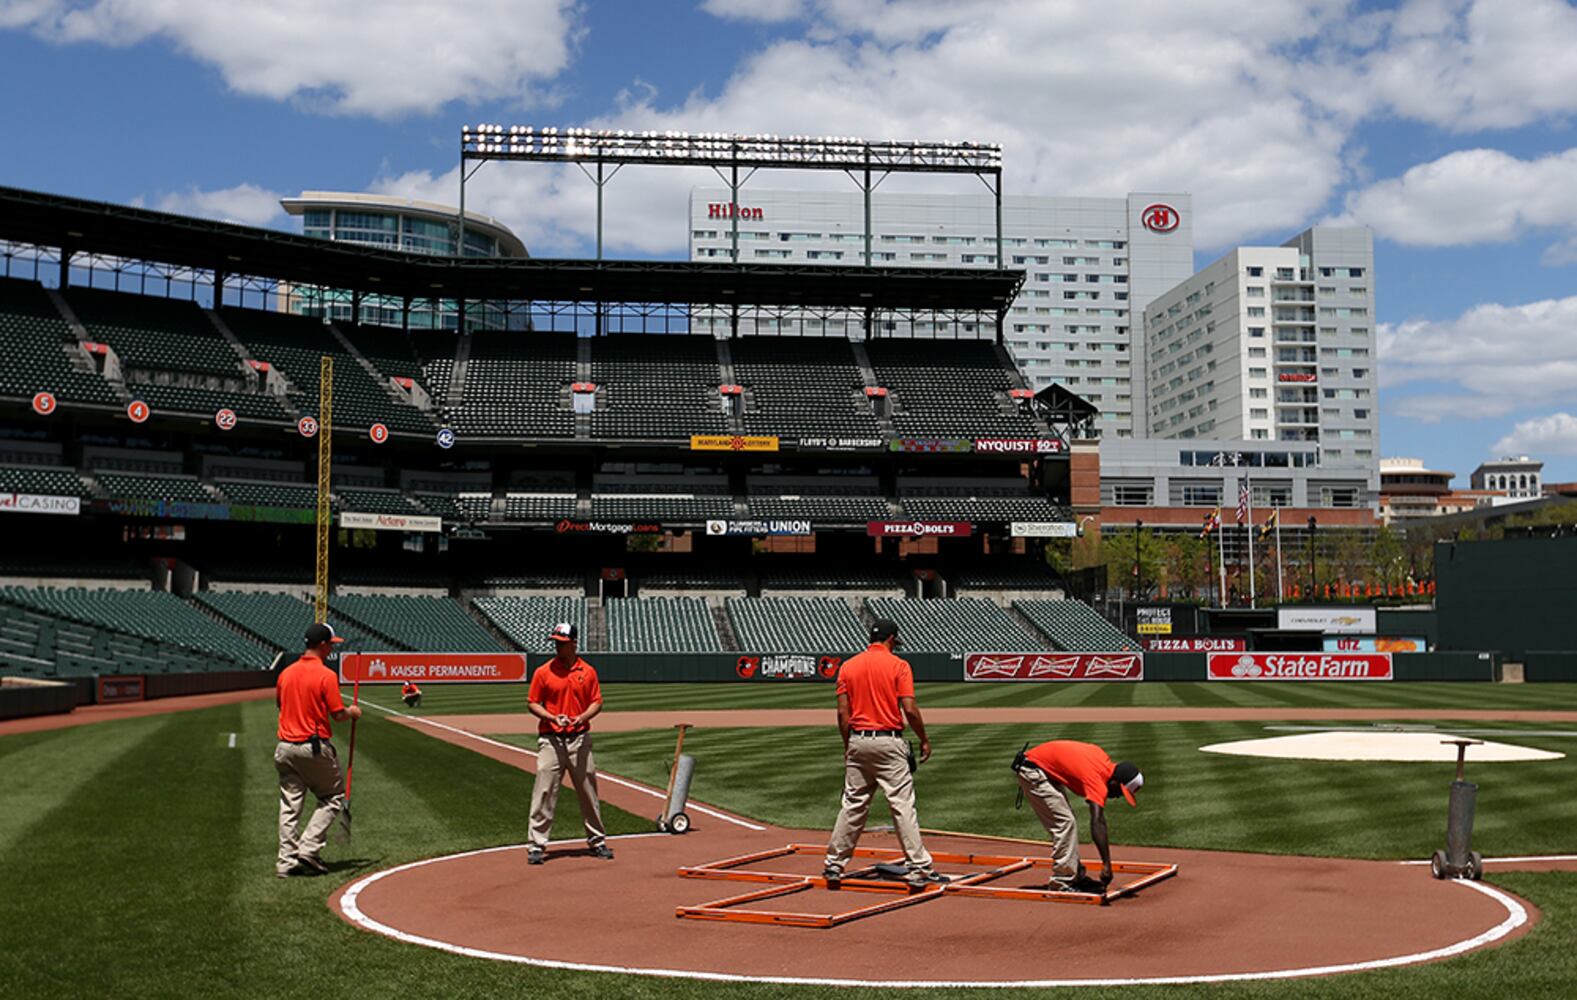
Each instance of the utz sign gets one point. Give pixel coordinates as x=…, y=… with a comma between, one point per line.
x=1298, y=667
x=1053, y=666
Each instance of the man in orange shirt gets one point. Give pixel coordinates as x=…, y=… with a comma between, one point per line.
x=565, y=697
x=875, y=696
x=308, y=696
x=1051, y=774
x=411, y=694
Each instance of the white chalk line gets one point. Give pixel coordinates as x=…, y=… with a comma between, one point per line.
x=1516, y=916
x=232, y=741
x=1512, y=861
x=601, y=775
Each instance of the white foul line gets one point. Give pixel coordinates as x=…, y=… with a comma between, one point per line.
x=1516, y=916
x=232, y=741
x=1512, y=861
x=601, y=775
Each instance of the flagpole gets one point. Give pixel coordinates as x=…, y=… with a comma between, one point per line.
x=1281, y=591
x=1221, y=566
x=1248, y=504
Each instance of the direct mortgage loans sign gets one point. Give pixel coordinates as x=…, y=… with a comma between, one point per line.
x=431, y=668
x=1298, y=666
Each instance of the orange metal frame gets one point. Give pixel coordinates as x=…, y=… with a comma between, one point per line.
x=786, y=883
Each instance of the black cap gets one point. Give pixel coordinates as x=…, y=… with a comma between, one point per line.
x=564, y=632
x=1126, y=779
x=882, y=629
x=320, y=632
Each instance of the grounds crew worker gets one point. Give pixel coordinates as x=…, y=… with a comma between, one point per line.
x=308, y=696
x=565, y=697
x=1050, y=775
x=411, y=694
x=875, y=696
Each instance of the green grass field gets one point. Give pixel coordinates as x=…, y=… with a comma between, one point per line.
x=138, y=854
x=468, y=698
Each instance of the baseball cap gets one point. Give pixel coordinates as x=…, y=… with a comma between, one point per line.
x=1127, y=779
x=883, y=628
x=320, y=632
x=565, y=632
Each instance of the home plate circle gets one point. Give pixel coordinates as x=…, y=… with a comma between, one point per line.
x=1225, y=917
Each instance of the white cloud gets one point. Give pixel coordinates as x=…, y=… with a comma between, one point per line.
x=246, y=204
x=1555, y=434
x=387, y=59
x=1499, y=358
x=1472, y=196
x=1466, y=66
x=1431, y=409
x=768, y=11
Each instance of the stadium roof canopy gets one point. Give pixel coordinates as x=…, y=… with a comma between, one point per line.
x=76, y=225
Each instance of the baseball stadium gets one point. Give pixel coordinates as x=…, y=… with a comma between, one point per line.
x=217, y=436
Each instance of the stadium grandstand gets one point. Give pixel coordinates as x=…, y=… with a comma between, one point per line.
x=598, y=462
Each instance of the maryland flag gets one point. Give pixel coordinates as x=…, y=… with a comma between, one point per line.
x=1212, y=522
x=1270, y=523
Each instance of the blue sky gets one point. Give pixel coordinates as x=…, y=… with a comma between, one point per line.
x=1444, y=125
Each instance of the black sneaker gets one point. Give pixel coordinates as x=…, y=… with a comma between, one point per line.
x=833, y=875
x=309, y=866
x=602, y=851
x=926, y=879
x=534, y=856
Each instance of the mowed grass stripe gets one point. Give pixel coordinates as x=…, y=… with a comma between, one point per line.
x=39, y=772
x=156, y=822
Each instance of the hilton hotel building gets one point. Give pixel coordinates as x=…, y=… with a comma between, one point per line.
x=1092, y=266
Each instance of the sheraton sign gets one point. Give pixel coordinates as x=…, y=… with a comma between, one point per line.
x=1298, y=667
x=1053, y=667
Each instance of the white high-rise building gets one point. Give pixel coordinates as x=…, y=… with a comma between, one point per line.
x=1271, y=344
x=1091, y=266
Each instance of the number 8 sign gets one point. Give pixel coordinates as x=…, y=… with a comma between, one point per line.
x=378, y=433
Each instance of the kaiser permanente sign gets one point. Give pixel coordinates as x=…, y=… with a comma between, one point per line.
x=31, y=503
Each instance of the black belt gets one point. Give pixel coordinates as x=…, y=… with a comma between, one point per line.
x=569, y=736
x=877, y=732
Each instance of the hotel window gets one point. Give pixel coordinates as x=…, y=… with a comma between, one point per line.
x=1256, y=272
x=1255, y=291
x=1256, y=311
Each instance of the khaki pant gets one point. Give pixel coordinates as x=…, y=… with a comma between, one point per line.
x=301, y=772
x=1050, y=802
x=872, y=762
x=556, y=755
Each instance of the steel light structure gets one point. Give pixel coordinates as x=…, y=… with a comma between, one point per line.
x=594, y=150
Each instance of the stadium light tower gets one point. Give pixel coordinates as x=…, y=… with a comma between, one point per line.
x=861, y=159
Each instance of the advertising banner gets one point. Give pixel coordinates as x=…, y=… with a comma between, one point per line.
x=607, y=528
x=918, y=529
x=1043, y=529
x=1358, y=621
x=786, y=527
x=840, y=444
x=1375, y=644
x=1298, y=666
x=391, y=522
x=929, y=445
x=32, y=503
x=787, y=666
x=432, y=668
x=1053, y=666
x=1018, y=446
x=733, y=442
x=1153, y=621
x=117, y=688
x=1196, y=644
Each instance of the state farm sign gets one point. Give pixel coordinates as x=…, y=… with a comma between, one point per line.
x=918, y=529
x=431, y=668
x=1018, y=446
x=1298, y=666
x=1053, y=666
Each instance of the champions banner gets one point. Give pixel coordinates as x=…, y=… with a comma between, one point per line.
x=1298, y=667
x=1053, y=666
x=431, y=668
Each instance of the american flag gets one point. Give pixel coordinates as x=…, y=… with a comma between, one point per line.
x=1243, y=502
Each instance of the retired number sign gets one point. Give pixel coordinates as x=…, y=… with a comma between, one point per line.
x=44, y=403
x=225, y=420
x=308, y=426
x=379, y=433
x=138, y=411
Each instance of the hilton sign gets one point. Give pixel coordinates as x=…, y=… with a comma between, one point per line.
x=725, y=210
